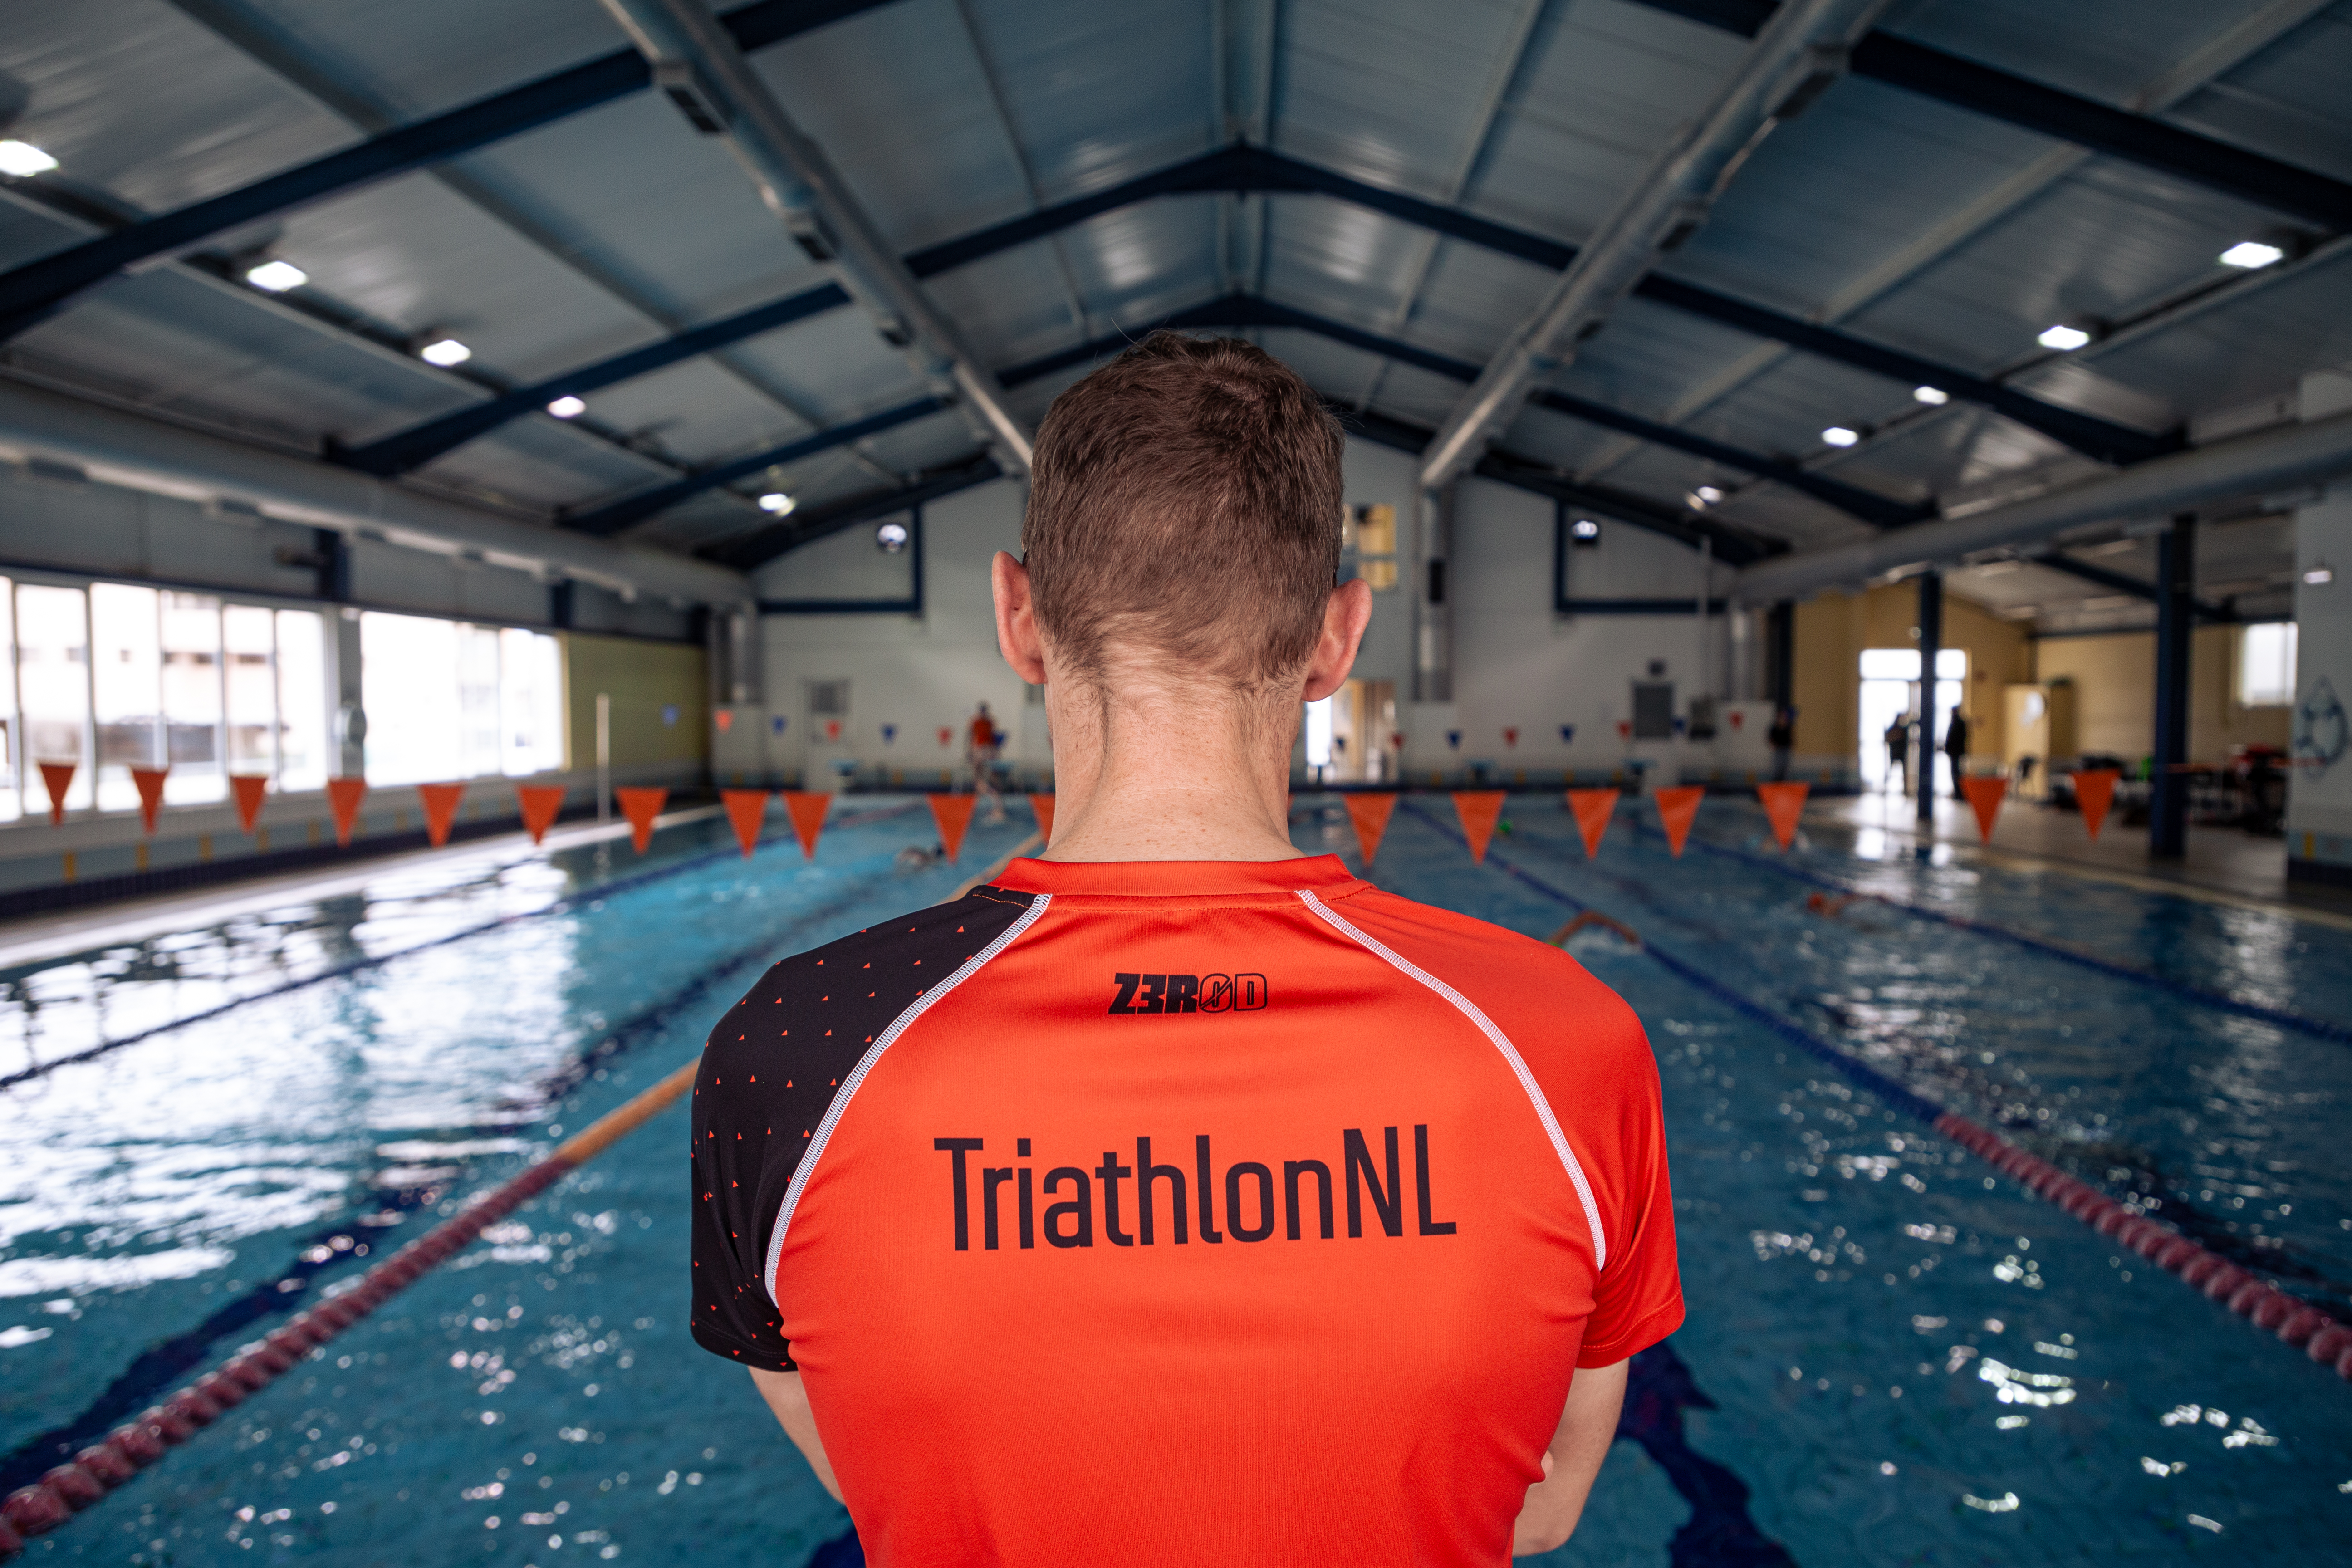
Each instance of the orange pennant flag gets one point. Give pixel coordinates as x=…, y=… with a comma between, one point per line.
x=1371, y=814
x=1783, y=804
x=640, y=806
x=747, y=809
x=343, y=795
x=1677, y=809
x=248, y=788
x=1043, y=805
x=58, y=776
x=807, y=809
x=1593, y=809
x=1479, y=810
x=953, y=815
x=149, y=782
x=440, y=810
x=1985, y=794
x=2095, y=790
x=541, y=805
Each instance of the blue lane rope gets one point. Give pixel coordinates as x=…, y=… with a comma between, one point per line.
x=376, y=961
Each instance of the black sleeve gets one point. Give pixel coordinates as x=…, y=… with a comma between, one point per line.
x=770, y=1071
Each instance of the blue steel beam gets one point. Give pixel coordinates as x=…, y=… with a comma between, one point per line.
x=31, y=293
x=629, y=510
x=2140, y=139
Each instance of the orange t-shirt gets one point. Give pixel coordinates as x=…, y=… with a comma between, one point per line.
x=1180, y=1213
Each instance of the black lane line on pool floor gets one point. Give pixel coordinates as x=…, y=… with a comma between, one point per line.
x=1887, y=1088
x=162, y=1363
x=376, y=961
x=2319, y=1028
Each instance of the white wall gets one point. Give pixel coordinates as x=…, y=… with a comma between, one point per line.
x=2320, y=792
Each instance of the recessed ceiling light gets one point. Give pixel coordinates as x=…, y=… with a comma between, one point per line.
x=24, y=160
x=1933, y=396
x=1584, y=531
x=2319, y=576
x=276, y=277
x=2063, y=337
x=776, y=501
x=1710, y=494
x=1839, y=436
x=445, y=352
x=2251, y=254
x=567, y=408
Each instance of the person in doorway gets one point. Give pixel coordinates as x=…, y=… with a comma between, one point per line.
x=1898, y=754
x=1179, y=1198
x=982, y=741
x=1955, y=748
x=1781, y=737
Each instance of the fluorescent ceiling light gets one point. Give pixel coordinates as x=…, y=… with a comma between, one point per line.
x=445, y=352
x=776, y=501
x=2319, y=576
x=24, y=160
x=1839, y=436
x=1710, y=494
x=2063, y=337
x=277, y=277
x=567, y=408
x=1933, y=396
x=2251, y=254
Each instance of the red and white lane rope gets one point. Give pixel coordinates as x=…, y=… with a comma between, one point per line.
x=146, y=1437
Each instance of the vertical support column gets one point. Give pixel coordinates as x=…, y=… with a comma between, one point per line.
x=563, y=606
x=332, y=553
x=1931, y=643
x=1780, y=655
x=350, y=723
x=1432, y=661
x=2175, y=625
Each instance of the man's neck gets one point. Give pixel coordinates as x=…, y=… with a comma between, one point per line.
x=1161, y=774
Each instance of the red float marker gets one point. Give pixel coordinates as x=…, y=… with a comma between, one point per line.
x=1510, y=735
x=747, y=809
x=953, y=815
x=248, y=789
x=1370, y=814
x=946, y=735
x=541, y=803
x=1479, y=810
x=343, y=796
x=1985, y=794
x=59, y=777
x=1043, y=805
x=1593, y=809
x=149, y=782
x=640, y=806
x=807, y=809
x=2094, y=792
x=1783, y=805
x=1677, y=809
x=440, y=810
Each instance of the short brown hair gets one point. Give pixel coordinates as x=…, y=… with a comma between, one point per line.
x=1186, y=497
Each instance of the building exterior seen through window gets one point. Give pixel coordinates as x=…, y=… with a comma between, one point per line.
x=449, y=700
x=2267, y=665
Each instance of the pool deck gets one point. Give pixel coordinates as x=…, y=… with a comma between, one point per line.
x=2223, y=865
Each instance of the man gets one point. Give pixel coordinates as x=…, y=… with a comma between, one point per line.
x=1898, y=754
x=1781, y=737
x=1955, y=747
x=982, y=741
x=1179, y=1198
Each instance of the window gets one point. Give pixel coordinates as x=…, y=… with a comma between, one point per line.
x=2267, y=665
x=448, y=700
x=1369, y=532
x=53, y=687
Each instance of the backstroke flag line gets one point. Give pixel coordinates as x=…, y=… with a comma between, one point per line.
x=640, y=806
x=1678, y=808
x=1479, y=810
x=807, y=809
x=1783, y=805
x=1370, y=814
x=953, y=815
x=1593, y=809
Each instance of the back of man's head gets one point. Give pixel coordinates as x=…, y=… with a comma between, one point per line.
x=1184, y=512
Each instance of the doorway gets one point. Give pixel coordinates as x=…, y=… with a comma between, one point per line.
x=1890, y=692
x=1351, y=734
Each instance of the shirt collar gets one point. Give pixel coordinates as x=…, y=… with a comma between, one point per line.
x=1326, y=874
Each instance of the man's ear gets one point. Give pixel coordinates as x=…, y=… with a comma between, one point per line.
x=1345, y=615
x=1016, y=619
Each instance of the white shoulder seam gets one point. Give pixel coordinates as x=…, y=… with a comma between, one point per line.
x=1501, y=1042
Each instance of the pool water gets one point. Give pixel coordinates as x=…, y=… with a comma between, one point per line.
x=1891, y=1356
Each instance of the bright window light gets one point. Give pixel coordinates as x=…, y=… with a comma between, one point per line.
x=1710, y=494
x=277, y=277
x=2251, y=254
x=2063, y=337
x=1839, y=436
x=776, y=501
x=24, y=160
x=445, y=352
x=1318, y=734
x=1933, y=396
x=2267, y=665
x=567, y=408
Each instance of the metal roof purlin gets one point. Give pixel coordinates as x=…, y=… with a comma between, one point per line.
x=30, y=293
x=1670, y=201
x=2123, y=583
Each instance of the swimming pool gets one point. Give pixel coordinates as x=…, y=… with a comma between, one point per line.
x=1898, y=1357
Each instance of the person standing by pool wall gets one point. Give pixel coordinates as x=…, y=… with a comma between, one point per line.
x=1181, y=1198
